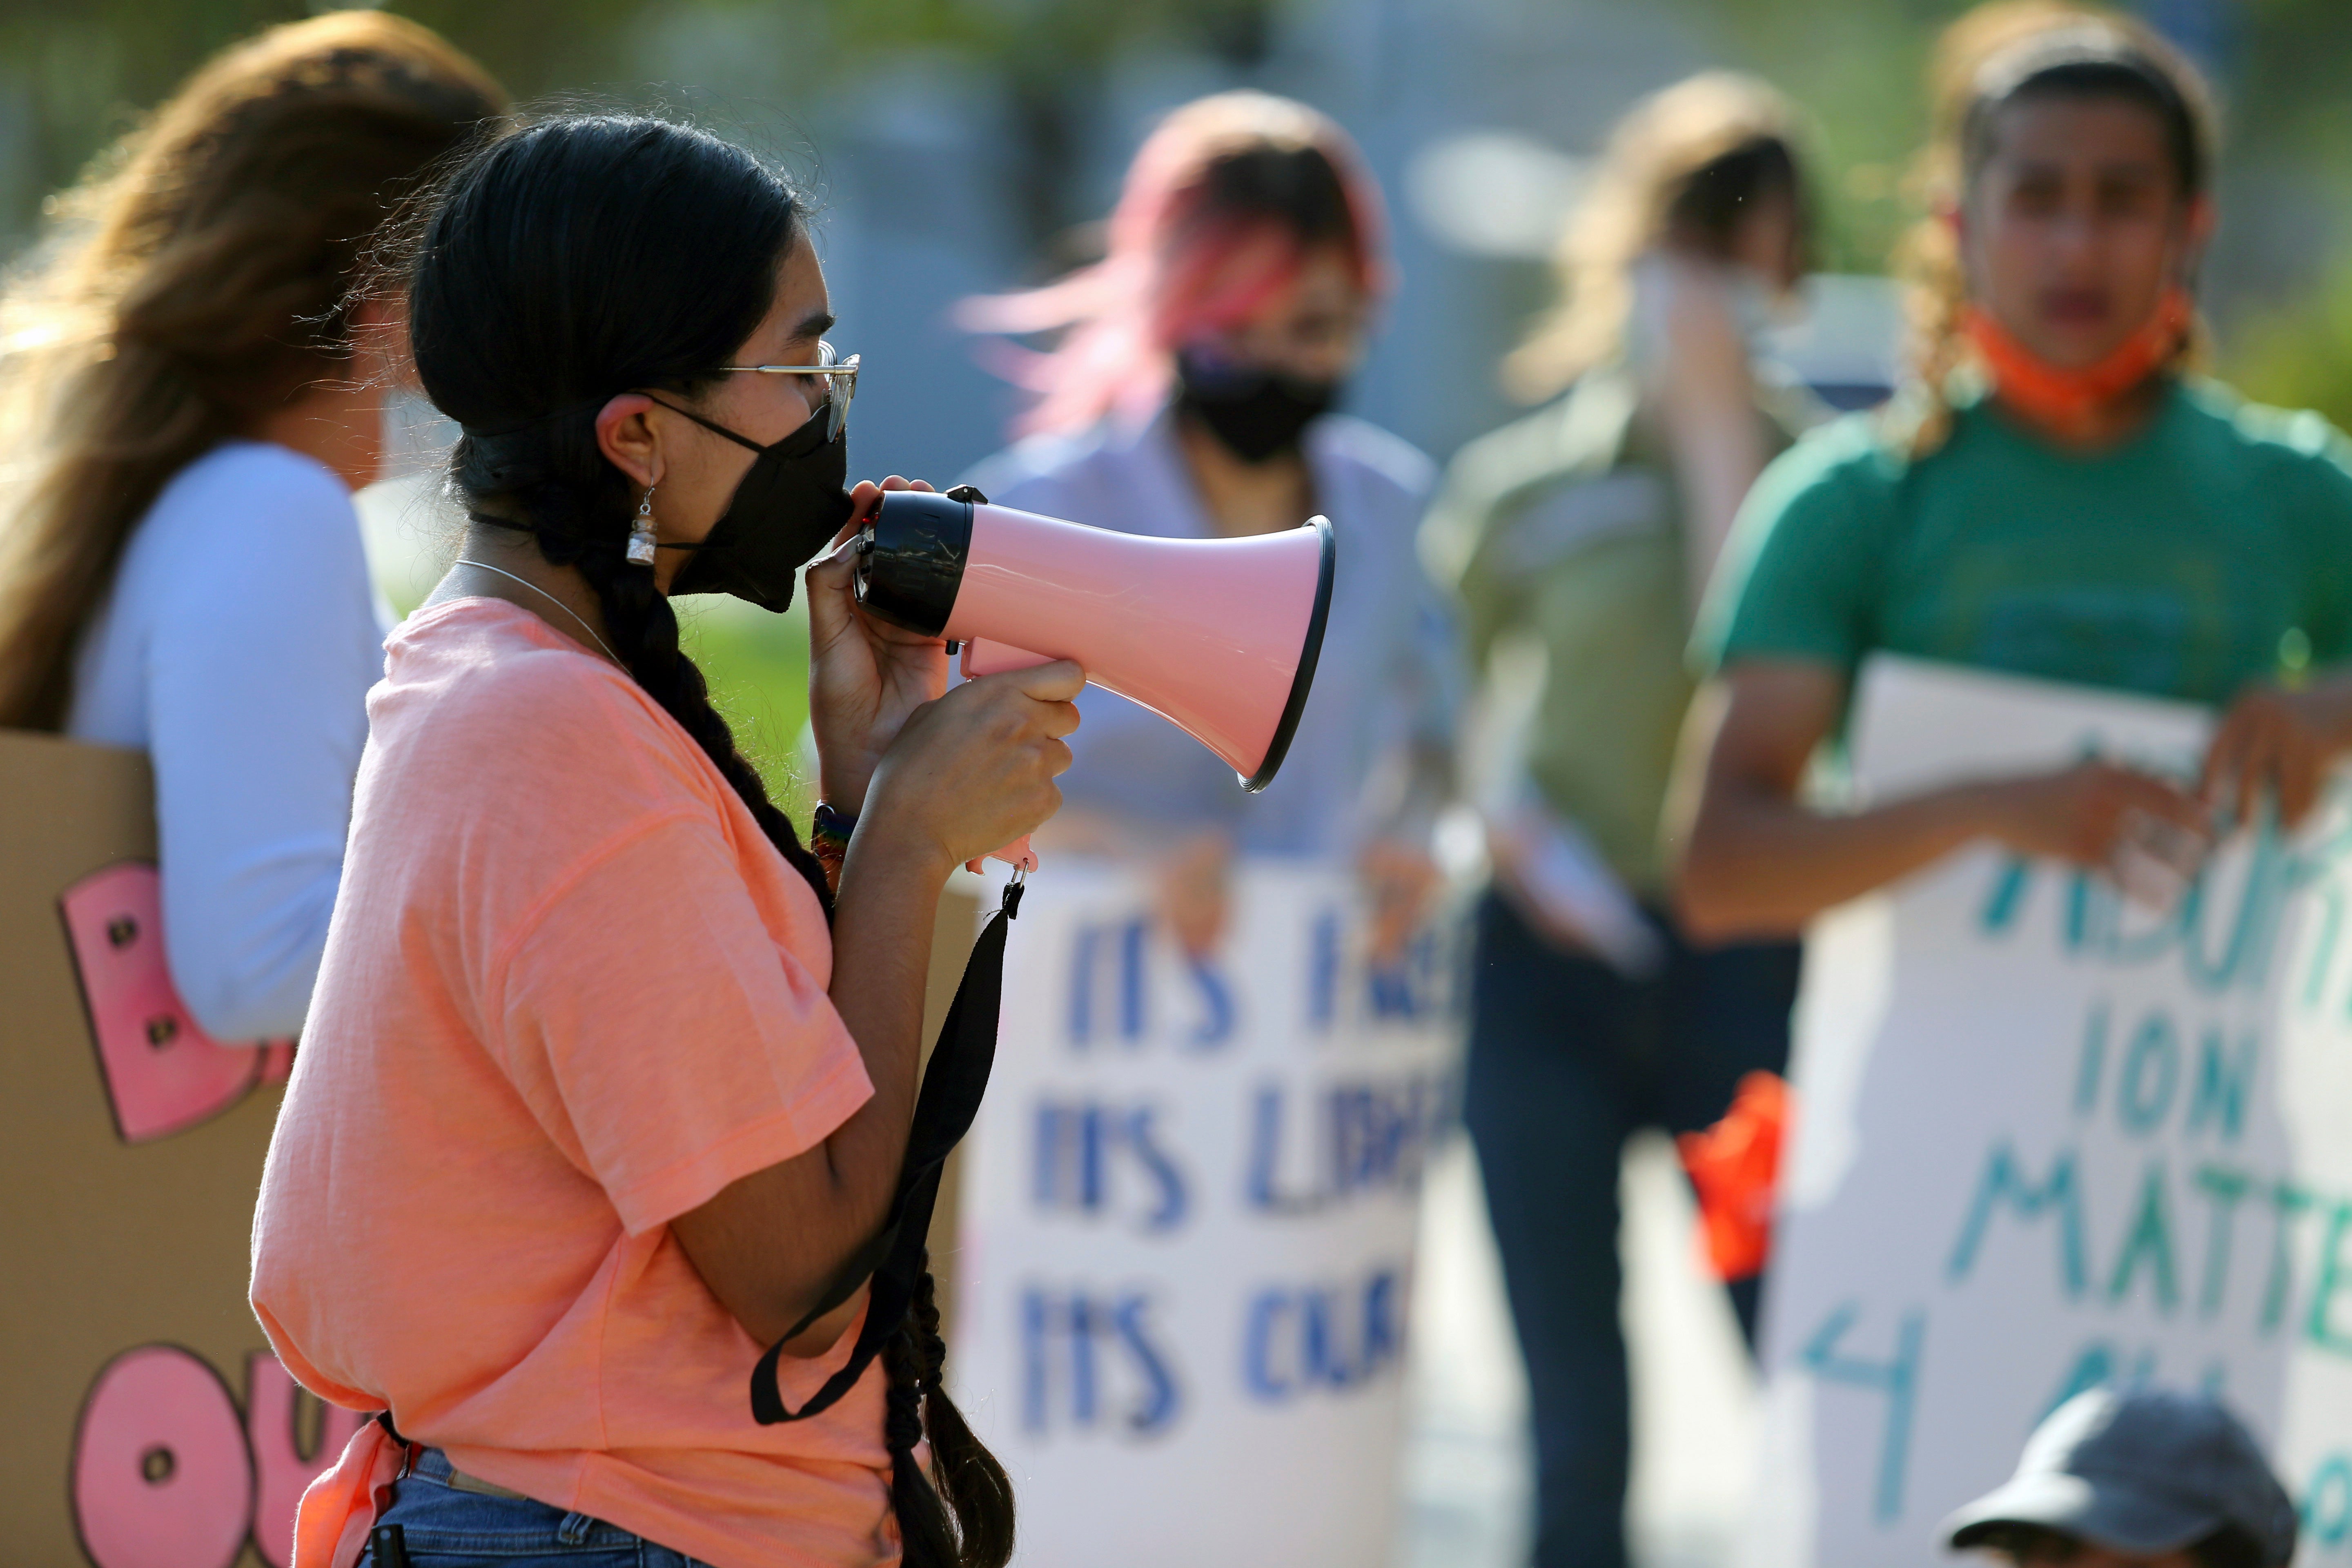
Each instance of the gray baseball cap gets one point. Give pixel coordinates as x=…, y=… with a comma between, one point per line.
x=2147, y=1472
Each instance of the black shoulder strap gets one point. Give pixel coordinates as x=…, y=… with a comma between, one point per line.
x=944, y=1109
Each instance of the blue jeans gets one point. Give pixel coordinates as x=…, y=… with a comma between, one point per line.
x=448, y=1527
x=1567, y=1060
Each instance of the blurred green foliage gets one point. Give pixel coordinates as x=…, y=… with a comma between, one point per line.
x=1855, y=68
x=757, y=665
x=72, y=79
x=2299, y=354
x=81, y=73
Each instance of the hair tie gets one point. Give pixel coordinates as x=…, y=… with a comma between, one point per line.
x=902, y=1423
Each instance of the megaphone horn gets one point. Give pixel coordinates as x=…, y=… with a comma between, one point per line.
x=1217, y=635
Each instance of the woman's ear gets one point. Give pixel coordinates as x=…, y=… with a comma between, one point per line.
x=1953, y=214
x=2197, y=224
x=628, y=438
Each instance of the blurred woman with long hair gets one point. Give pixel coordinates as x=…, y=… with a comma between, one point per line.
x=1587, y=530
x=2056, y=494
x=191, y=406
x=1191, y=394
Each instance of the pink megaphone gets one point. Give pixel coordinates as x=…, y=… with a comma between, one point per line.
x=1219, y=636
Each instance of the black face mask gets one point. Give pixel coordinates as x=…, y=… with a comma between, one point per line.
x=781, y=516
x=1255, y=414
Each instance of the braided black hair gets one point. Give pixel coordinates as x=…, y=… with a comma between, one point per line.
x=581, y=257
x=974, y=1487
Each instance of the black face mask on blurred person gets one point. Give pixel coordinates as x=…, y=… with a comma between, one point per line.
x=781, y=516
x=1254, y=413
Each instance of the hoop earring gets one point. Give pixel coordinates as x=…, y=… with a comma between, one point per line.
x=641, y=536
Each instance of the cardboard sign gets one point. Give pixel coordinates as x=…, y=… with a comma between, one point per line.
x=2048, y=1138
x=148, y=1424
x=1188, y=1222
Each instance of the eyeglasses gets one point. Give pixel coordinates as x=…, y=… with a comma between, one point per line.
x=840, y=382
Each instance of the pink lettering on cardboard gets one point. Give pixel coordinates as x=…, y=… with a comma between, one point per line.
x=161, y=1476
x=281, y=1473
x=164, y=1075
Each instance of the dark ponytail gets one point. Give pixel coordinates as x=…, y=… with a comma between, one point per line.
x=580, y=258
x=977, y=1492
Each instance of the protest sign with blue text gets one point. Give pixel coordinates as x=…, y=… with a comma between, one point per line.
x=2049, y=1137
x=1188, y=1215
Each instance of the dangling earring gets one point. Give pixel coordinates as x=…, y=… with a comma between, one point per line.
x=641, y=536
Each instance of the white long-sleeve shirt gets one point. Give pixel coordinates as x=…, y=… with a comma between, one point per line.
x=237, y=649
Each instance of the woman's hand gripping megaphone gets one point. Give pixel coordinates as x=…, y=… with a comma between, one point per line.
x=968, y=768
x=1220, y=636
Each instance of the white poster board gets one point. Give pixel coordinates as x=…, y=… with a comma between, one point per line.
x=2046, y=1139
x=1187, y=1224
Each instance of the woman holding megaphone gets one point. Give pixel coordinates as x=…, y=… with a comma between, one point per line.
x=593, y=1105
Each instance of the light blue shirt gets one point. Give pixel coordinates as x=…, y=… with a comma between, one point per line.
x=1387, y=680
x=235, y=649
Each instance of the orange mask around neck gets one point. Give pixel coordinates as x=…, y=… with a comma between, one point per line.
x=2067, y=401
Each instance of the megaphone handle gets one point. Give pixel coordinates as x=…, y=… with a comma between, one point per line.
x=1017, y=855
x=981, y=656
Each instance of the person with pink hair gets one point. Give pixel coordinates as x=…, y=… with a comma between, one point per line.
x=1190, y=393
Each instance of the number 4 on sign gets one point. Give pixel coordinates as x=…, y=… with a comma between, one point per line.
x=1897, y=1377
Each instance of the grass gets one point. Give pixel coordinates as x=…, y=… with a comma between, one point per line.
x=757, y=665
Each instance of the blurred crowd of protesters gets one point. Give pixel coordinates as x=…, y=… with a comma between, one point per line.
x=2053, y=492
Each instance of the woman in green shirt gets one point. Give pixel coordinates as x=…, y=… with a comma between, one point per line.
x=2060, y=499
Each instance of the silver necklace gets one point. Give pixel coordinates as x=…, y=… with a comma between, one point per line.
x=552, y=599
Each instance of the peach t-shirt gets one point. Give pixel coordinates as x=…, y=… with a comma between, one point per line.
x=569, y=992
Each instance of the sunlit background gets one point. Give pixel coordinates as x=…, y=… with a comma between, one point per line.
x=960, y=146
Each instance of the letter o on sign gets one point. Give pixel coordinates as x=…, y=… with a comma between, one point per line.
x=160, y=1475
